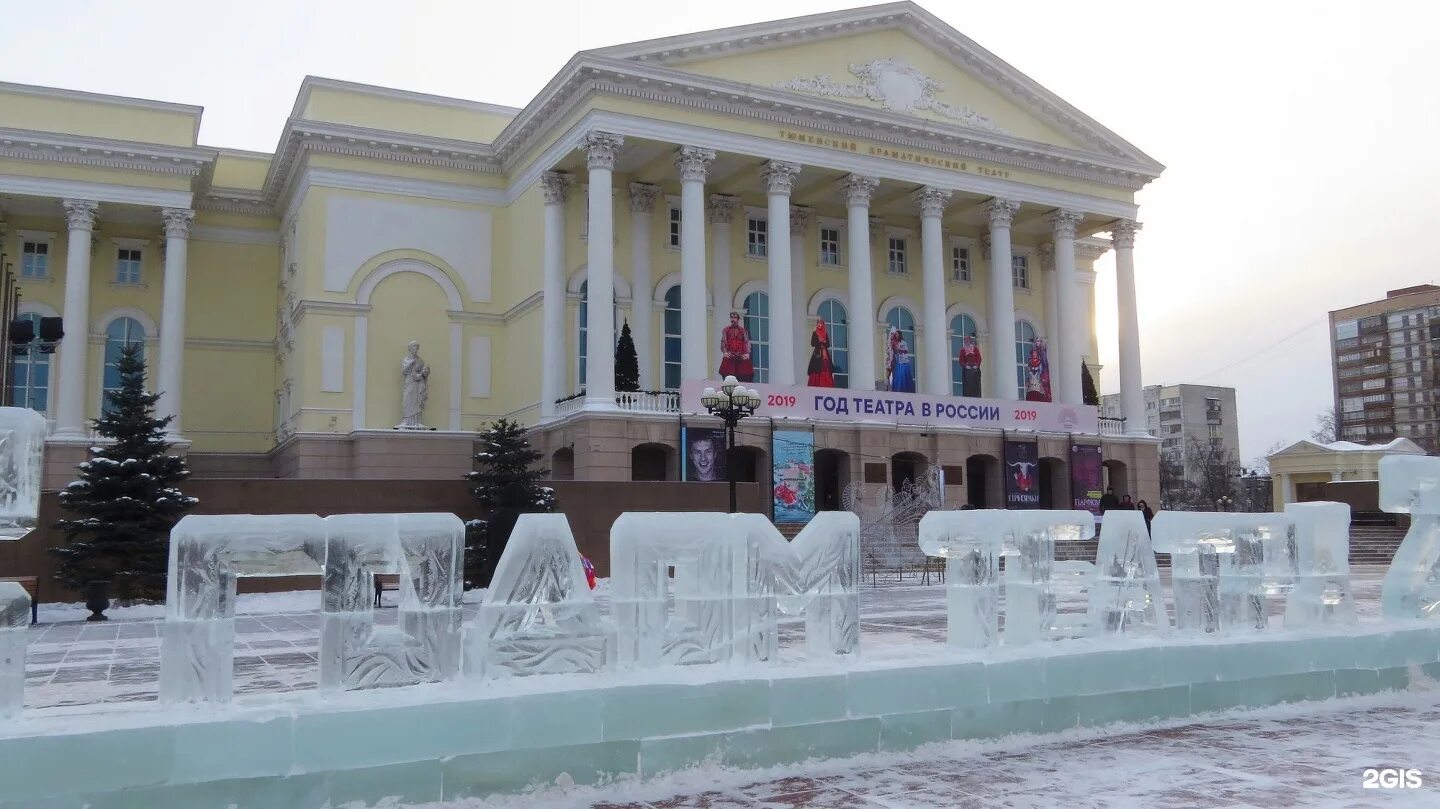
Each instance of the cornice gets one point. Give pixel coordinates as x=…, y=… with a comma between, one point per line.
x=49, y=147
x=235, y=200
x=233, y=235
x=100, y=98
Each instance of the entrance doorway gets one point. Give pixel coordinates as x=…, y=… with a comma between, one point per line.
x=831, y=477
x=1053, y=486
x=982, y=481
x=906, y=466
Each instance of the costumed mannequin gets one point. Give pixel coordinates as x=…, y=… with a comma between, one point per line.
x=899, y=365
x=822, y=366
x=735, y=351
x=969, y=366
x=1037, y=373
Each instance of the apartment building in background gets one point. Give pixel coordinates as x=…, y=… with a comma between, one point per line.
x=1177, y=413
x=1383, y=368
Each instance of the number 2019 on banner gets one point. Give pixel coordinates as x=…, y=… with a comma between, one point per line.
x=781, y=400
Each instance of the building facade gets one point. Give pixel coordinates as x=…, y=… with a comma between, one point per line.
x=1383, y=359
x=873, y=168
x=1188, y=419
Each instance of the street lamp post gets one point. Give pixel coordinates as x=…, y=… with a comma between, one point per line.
x=731, y=403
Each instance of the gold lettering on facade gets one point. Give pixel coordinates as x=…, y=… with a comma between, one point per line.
x=855, y=147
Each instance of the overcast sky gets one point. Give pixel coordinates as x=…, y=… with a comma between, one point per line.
x=1300, y=137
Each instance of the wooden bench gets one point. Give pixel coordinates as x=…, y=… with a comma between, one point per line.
x=384, y=582
x=32, y=586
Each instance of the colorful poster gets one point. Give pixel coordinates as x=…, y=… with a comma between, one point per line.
x=1086, y=477
x=837, y=404
x=704, y=453
x=1022, y=470
x=1037, y=373
x=794, y=475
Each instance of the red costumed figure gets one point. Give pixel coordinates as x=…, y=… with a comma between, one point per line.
x=969, y=366
x=735, y=351
x=822, y=368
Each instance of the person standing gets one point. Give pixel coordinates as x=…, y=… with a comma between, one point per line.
x=1148, y=514
x=1109, y=500
x=735, y=351
x=822, y=367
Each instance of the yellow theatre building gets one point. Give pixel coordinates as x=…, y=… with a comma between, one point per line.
x=873, y=169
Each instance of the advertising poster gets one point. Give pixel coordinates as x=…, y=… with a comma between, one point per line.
x=1022, y=468
x=794, y=475
x=1086, y=476
x=704, y=453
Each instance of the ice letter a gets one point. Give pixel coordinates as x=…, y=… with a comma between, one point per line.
x=1125, y=596
x=14, y=627
x=1411, y=485
x=207, y=553
x=1321, y=594
x=970, y=542
x=538, y=616
x=427, y=551
x=22, y=443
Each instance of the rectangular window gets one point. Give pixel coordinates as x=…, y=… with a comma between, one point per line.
x=960, y=264
x=1346, y=329
x=674, y=226
x=1020, y=271
x=127, y=266
x=757, y=235
x=896, y=263
x=35, y=260
x=830, y=247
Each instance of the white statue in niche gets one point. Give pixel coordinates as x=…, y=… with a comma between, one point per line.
x=416, y=376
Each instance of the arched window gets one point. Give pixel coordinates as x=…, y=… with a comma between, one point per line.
x=901, y=318
x=961, y=326
x=672, y=338
x=837, y=323
x=30, y=375
x=1024, y=340
x=122, y=331
x=757, y=322
x=585, y=322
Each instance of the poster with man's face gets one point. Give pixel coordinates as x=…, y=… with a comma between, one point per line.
x=704, y=453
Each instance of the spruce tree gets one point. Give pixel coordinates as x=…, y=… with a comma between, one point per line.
x=1088, y=394
x=627, y=363
x=506, y=484
x=126, y=499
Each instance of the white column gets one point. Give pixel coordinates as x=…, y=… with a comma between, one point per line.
x=1072, y=320
x=642, y=309
x=693, y=163
x=554, y=359
x=70, y=410
x=1000, y=376
x=172, y=316
x=935, y=378
x=858, y=191
x=721, y=208
x=799, y=221
x=601, y=149
x=779, y=179
x=1132, y=393
x=1059, y=352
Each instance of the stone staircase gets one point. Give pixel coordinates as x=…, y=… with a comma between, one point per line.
x=1374, y=543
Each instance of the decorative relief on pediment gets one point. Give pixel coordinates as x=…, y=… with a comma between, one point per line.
x=896, y=86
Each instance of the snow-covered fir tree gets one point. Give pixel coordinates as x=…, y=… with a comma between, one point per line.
x=506, y=483
x=126, y=499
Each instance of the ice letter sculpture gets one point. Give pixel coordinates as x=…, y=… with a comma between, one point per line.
x=426, y=550
x=970, y=542
x=1195, y=542
x=1411, y=485
x=22, y=445
x=1321, y=594
x=14, y=627
x=538, y=616
x=1030, y=548
x=207, y=553
x=1125, y=596
x=826, y=581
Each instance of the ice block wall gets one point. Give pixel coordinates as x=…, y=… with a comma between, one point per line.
x=22, y=449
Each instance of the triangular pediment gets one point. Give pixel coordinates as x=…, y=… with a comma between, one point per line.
x=895, y=59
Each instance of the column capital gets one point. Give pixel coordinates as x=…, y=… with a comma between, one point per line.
x=643, y=196
x=1064, y=221
x=800, y=217
x=601, y=149
x=859, y=189
x=557, y=186
x=1047, y=257
x=693, y=163
x=1002, y=212
x=932, y=200
x=779, y=176
x=80, y=213
x=721, y=208
x=1090, y=252
x=1123, y=232
x=177, y=222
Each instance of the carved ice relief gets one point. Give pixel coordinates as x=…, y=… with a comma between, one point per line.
x=894, y=85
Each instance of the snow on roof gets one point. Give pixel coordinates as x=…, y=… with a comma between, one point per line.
x=1398, y=445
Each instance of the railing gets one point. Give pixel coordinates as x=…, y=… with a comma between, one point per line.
x=1112, y=426
x=647, y=401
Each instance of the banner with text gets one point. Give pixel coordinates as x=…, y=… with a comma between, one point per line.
x=794, y=469
x=1086, y=477
x=1022, y=474
x=838, y=404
